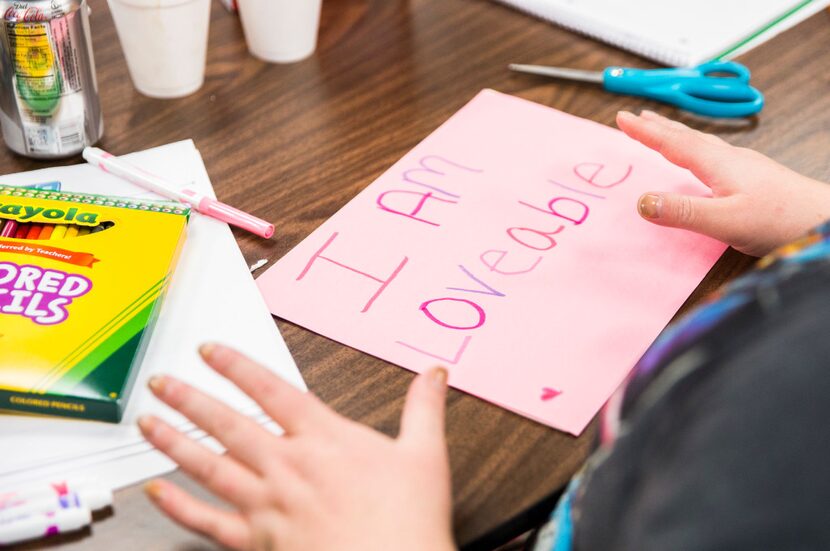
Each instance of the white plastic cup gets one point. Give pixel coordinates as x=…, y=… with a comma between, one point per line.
x=165, y=43
x=280, y=31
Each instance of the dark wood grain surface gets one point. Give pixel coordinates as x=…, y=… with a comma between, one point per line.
x=294, y=143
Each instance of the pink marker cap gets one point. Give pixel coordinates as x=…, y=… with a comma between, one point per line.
x=236, y=217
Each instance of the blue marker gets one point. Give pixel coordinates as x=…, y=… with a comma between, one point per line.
x=48, y=186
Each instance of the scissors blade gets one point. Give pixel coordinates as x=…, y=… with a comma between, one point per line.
x=558, y=72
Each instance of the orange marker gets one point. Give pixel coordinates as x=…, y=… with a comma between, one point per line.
x=46, y=232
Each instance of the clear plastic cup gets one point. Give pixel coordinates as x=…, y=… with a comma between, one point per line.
x=165, y=43
x=280, y=31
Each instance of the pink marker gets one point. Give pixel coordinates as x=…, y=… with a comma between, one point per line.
x=202, y=203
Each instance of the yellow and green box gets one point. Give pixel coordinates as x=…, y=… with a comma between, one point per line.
x=77, y=306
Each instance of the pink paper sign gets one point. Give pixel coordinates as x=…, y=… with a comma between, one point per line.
x=507, y=247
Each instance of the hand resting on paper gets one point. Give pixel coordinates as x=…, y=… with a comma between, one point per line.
x=756, y=204
x=327, y=482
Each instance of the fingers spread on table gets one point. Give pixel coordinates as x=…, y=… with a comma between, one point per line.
x=227, y=528
x=220, y=474
x=235, y=431
x=294, y=410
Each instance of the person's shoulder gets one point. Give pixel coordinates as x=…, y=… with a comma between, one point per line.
x=732, y=452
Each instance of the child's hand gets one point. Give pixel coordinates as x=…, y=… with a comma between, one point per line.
x=328, y=483
x=756, y=204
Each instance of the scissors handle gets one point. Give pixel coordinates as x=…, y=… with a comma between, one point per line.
x=696, y=89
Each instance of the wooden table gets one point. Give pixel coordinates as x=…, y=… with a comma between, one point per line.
x=293, y=143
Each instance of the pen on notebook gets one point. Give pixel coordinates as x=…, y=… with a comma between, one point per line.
x=202, y=203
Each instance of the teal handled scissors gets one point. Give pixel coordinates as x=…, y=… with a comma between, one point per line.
x=697, y=89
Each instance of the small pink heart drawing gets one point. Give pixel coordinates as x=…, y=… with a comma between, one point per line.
x=550, y=393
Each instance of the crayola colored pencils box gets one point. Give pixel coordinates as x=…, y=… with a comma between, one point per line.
x=82, y=278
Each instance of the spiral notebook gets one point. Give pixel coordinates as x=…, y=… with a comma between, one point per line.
x=675, y=33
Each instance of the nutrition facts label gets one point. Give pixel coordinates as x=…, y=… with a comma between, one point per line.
x=66, y=136
x=46, y=77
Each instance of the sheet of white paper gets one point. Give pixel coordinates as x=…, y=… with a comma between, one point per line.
x=62, y=467
x=132, y=469
x=115, y=468
x=212, y=297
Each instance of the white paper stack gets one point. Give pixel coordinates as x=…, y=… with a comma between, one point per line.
x=212, y=297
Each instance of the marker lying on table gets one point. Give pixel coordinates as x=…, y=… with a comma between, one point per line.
x=52, y=497
x=40, y=524
x=202, y=203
